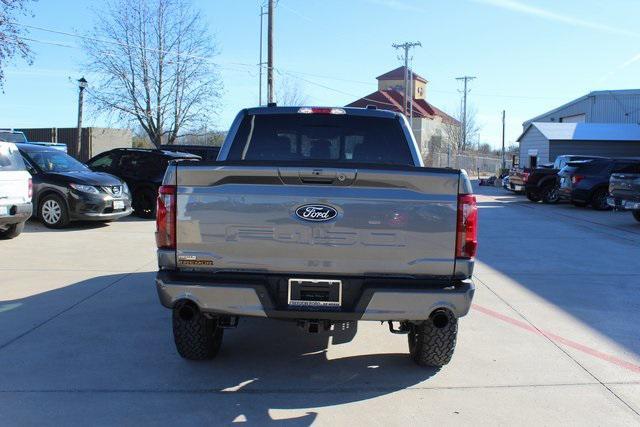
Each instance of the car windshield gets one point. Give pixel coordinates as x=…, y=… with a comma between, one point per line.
x=10, y=159
x=56, y=161
x=12, y=136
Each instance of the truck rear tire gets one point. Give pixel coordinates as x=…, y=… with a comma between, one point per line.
x=431, y=342
x=532, y=195
x=636, y=215
x=599, y=200
x=11, y=231
x=550, y=194
x=196, y=336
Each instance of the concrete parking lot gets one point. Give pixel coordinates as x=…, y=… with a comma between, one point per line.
x=553, y=337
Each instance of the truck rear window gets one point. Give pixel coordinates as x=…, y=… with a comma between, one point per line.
x=321, y=137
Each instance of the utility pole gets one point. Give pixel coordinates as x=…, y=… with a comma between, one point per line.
x=464, y=108
x=406, y=46
x=260, y=63
x=82, y=84
x=270, y=53
x=503, y=159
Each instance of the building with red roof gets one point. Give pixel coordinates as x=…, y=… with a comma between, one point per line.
x=429, y=123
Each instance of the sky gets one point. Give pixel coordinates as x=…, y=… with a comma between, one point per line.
x=527, y=56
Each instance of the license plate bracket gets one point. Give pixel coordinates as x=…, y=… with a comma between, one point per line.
x=314, y=293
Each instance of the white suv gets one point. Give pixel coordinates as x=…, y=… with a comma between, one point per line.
x=15, y=191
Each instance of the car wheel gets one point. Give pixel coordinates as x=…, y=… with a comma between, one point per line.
x=550, y=194
x=196, y=336
x=144, y=203
x=636, y=215
x=599, y=200
x=431, y=342
x=11, y=231
x=532, y=195
x=53, y=211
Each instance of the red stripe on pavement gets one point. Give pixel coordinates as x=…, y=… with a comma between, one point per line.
x=569, y=343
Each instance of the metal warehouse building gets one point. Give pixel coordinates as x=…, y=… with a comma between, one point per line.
x=605, y=106
x=543, y=142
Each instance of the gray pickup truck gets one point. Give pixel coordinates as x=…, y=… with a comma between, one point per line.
x=320, y=216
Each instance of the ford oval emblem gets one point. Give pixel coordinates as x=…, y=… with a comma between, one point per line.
x=316, y=212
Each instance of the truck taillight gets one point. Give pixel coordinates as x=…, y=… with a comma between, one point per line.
x=166, y=217
x=30, y=191
x=525, y=176
x=467, y=227
x=576, y=179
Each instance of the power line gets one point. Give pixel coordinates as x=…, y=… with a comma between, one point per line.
x=242, y=64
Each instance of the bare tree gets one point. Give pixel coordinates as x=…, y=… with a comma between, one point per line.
x=289, y=93
x=12, y=36
x=454, y=131
x=152, y=59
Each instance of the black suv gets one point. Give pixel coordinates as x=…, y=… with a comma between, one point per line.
x=586, y=182
x=142, y=170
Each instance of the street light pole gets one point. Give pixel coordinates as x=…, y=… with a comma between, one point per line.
x=270, y=93
x=260, y=63
x=82, y=84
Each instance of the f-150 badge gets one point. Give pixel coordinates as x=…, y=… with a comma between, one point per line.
x=316, y=213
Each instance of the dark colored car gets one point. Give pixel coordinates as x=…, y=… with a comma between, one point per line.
x=142, y=170
x=207, y=153
x=543, y=183
x=624, y=190
x=65, y=190
x=586, y=182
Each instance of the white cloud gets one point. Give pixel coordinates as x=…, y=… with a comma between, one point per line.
x=635, y=58
x=526, y=9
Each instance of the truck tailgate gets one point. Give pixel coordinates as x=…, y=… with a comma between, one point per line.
x=249, y=218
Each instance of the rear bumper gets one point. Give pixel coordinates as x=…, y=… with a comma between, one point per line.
x=623, y=204
x=259, y=297
x=16, y=214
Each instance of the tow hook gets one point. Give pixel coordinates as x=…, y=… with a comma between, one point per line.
x=403, y=328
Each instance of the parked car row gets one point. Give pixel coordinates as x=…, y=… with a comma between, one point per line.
x=600, y=182
x=57, y=189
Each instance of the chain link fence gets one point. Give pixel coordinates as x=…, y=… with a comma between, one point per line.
x=476, y=164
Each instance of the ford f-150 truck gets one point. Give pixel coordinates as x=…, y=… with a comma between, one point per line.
x=320, y=216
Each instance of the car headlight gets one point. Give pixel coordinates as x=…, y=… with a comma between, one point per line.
x=85, y=188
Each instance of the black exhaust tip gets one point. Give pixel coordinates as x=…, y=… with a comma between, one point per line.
x=187, y=311
x=440, y=318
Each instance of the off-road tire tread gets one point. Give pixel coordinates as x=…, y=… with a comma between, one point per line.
x=196, y=339
x=433, y=346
